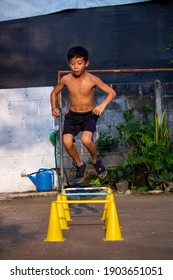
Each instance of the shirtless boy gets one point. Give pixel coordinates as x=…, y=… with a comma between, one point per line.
x=83, y=115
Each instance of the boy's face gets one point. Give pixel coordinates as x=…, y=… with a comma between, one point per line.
x=78, y=65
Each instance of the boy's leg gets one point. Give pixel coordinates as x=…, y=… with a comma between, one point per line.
x=87, y=141
x=72, y=152
x=71, y=148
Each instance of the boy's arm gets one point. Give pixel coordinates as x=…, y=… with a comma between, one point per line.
x=111, y=94
x=53, y=98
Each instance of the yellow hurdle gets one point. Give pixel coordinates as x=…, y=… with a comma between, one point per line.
x=113, y=232
x=109, y=191
x=60, y=214
x=66, y=206
x=54, y=233
x=111, y=198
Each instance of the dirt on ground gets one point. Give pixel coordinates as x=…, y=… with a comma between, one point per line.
x=146, y=227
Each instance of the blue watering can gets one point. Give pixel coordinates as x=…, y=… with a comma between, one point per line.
x=43, y=179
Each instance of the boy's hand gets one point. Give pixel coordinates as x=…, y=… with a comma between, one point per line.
x=98, y=110
x=55, y=113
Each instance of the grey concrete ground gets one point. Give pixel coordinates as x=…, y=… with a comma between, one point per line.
x=146, y=226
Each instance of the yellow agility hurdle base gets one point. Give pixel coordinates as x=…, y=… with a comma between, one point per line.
x=60, y=215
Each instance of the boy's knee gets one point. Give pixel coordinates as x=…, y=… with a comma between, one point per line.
x=67, y=143
x=86, y=141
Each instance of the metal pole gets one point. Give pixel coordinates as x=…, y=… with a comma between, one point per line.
x=60, y=139
x=61, y=150
x=121, y=71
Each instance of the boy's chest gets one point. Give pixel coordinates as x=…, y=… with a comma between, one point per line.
x=80, y=87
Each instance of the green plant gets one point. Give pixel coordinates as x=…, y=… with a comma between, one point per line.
x=163, y=180
x=118, y=173
x=139, y=190
x=95, y=183
x=148, y=144
x=106, y=142
x=130, y=131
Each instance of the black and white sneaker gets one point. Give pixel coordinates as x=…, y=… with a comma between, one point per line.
x=80, y=173
x=100, y=169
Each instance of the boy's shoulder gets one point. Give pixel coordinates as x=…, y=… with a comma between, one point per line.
x=93, y=77
x=66, y=78
x=90, y=75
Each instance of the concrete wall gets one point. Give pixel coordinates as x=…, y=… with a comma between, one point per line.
x=26, y=123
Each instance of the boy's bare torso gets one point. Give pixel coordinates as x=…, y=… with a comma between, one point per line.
x=81, y=91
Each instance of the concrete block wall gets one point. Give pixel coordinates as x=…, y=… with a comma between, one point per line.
x=26, y=124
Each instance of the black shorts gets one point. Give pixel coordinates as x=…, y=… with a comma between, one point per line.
x=76, y=122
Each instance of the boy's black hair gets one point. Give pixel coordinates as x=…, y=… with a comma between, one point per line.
x=77, y=52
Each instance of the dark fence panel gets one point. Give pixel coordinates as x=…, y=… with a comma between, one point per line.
x=32, y=50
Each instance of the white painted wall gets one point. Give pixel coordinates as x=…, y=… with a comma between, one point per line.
x=25, y=126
